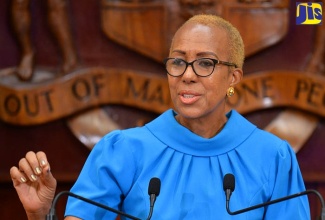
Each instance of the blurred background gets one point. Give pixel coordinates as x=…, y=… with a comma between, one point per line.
x=72, y=38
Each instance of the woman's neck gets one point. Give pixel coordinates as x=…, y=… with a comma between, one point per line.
x=206, y=128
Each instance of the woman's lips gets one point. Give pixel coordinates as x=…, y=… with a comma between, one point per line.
x=188, y=98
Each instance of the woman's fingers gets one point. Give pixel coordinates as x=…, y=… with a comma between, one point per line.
x=34, y=183
x=17, y=176
x=46, y=174
x=27, y=169
x=31, y=167
x=43, y=164
x=33, y=162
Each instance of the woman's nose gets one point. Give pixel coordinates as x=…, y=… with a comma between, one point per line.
x=189, y=75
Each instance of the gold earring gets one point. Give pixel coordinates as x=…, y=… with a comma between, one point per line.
x=230, y=91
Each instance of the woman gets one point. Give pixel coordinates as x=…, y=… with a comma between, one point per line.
x=190, y=149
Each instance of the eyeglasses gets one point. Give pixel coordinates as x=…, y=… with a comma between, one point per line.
x=202, y=67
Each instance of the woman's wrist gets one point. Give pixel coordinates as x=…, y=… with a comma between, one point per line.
x=41, y=215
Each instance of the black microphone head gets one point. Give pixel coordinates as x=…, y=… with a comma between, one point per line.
x=154, y=186
x=229, y=182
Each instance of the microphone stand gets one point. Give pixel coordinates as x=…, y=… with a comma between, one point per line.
x=152, y=201
x=322, y=216
x=52, y=214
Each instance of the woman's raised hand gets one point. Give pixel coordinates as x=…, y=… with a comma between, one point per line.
x=34, y=184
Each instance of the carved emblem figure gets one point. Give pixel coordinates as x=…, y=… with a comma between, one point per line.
x=146, y=26
x=58, y=22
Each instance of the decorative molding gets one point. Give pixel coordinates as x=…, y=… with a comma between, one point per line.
x=36, y=103
x=270, y=89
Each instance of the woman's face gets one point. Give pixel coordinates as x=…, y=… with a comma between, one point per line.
x=196, y=97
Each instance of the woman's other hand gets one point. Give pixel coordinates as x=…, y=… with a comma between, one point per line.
x=34, y=184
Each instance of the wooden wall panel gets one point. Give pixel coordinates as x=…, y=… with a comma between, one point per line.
x=67, y=154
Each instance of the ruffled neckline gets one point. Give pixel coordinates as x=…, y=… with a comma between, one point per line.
x=180, y=138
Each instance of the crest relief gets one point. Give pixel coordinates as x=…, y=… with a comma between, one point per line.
x=147, y=26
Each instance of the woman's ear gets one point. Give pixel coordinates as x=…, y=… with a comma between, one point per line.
x=237, y=75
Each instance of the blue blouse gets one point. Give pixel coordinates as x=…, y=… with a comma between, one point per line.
x=191, y=169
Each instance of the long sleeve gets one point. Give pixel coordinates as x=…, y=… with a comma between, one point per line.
x=103, y=179
x=286, y=180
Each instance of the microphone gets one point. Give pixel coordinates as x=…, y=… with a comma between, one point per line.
x=52, y=214
x=153, y=191
x=229, y=187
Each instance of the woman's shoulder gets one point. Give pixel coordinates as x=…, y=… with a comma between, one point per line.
x=256, y=138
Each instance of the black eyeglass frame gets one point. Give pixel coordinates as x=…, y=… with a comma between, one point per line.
x=215, y=61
